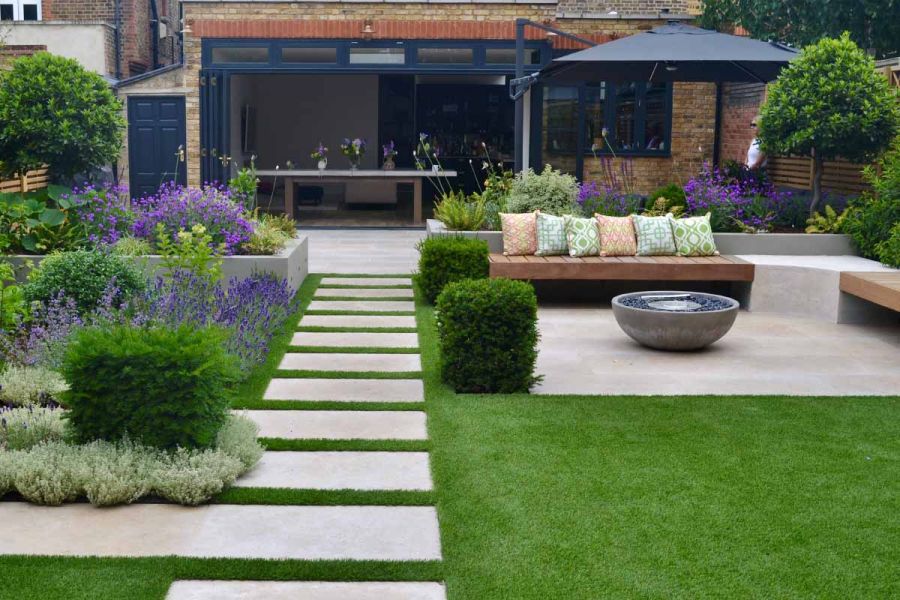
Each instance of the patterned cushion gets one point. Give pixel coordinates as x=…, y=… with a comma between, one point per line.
x=583, y=236
x=654, y=236
x=551, y=235
x=519, y=233
x=693, y=236
x=616, y=236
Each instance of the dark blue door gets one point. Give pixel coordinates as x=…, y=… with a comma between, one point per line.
x=156, y=143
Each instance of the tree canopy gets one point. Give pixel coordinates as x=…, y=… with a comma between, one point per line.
x=873, y=24
x=54, y=112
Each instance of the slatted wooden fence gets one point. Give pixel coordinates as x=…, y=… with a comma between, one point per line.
x=33, y=180
x=796, y=172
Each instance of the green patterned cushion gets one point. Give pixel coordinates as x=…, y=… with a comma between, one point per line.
x=654, y=236
x=551, y=235
x=693, y=236
x=583, y=236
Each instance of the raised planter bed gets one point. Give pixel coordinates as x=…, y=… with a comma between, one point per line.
x=292, y=263
x=785, y=244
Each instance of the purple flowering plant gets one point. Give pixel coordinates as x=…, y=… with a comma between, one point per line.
x=102, y=212
x=742, y=204
x=389, y=150
x=179, y=208
x=606, y=200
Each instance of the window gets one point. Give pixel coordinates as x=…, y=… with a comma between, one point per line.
x=20, y=10
x=240, y=54
x=626, y=111
x=595, y=117
x=561, y=117
x=377, y=56
x=310, y=54
x=507, y=56
x=444, y=56
x=656, y=108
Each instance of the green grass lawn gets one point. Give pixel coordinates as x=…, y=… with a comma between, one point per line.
x=576, y=497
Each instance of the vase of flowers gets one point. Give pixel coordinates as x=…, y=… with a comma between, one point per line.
x=354, y=150
x=389, y=151
x=320, y=154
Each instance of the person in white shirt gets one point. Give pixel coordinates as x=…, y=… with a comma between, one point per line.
x=756, y=158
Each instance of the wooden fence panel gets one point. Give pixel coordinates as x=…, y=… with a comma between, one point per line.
x=33, y=180
x=840, y=176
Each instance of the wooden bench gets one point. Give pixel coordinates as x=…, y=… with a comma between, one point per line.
x=880, y=287
x=622, y=268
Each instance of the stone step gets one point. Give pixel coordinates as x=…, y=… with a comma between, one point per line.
x=315, y=361
x=222, y=530
x=355, y=339
x=363, y=305
x=305, y=590
x=347, y=390
x=370, y=281
x=357, y=321
x=367, y=293
x=341, y=471
x=340, y=424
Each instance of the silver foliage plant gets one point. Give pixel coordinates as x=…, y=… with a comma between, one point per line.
x=47, y=470
x=25, y=385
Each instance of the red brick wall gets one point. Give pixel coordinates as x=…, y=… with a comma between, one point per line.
x=740, y=103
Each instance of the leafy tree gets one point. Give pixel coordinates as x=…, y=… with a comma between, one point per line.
x=829, y=103
x=54, y=112
x=873, y=24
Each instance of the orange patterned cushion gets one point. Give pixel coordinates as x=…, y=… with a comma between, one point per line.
x=519, y=233
x=616, y=236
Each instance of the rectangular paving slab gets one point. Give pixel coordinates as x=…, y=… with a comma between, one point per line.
x=347, y=390
x=315, y=361
x=306, y=590
x=364, y=293
x=355, y=339
x=370, y=281
x=340, y=471
x=363, y=305
x=357, y=321
x=222, y=530
x=340, y=424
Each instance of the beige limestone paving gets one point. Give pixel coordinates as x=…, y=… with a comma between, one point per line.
x=305, y=590
x=363, y=305
x=359, y=321
x=340, y=424
x=353, y=251
x=355, y=339
x=221, y=530
x=316, y=361
x=347, y=390
x=368, y=281
x=364, y=293
x=583, y=351
x=340, y=471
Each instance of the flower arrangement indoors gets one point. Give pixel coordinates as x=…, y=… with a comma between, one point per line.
x=354, y=150
x=320, y=154
x=388, y=152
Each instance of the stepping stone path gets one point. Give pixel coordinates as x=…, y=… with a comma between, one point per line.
x=332, y=532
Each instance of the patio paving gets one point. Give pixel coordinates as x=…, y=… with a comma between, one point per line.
x=359, y=321
x=226, y=531
x=322, y=361
x=368, y=281
x=364, y=293
x=340, y=424
x=583, y=351
x=305, y=590
x=340, y=471
x=348, y=340
x=364, y=251
x=347, y=390
x=360, y=305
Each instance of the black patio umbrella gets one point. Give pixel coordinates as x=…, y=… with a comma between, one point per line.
x=673, y=52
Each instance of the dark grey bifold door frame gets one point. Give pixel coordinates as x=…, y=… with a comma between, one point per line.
x=156, y=131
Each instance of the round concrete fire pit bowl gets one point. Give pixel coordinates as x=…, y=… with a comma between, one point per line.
x=675, y=320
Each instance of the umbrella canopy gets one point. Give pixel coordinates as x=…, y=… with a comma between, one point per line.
x=674, y=52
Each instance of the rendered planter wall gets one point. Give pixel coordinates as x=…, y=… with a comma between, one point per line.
x=292, y=263
x=786, y=244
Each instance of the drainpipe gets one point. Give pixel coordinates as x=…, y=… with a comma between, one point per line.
x=118, y=38
x=154, y=34
x=717, y=130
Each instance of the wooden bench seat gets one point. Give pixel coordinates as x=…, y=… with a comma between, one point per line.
x=880, y=287
x=622, y=268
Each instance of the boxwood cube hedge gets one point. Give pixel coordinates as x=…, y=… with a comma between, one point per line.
x=449, y=258
x=488, y=335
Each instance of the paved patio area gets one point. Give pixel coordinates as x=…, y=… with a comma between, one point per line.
x=583, y=351
x=363, y=250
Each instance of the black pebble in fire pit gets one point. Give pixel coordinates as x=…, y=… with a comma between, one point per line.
x=688, y=302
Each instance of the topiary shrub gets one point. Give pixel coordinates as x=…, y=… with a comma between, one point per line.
x=160, y=386
x=85, y=276
x=488, y=335
x=549, y=191
x=449, y=258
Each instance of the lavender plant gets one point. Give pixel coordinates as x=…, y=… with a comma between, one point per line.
x=103, y=213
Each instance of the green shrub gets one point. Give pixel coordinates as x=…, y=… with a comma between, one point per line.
x=488, y=335
x=282, y=222
x=449, y=258
x=84, y=276
x=674, y=195
x=25, y=385
x=116, y=473
x=23, y=428
x=830, y=222
x=50, y=473
x=889, y=250
x=458, y=213
x=267, y=238
x=161, y=386
x=194, y=476
x=237, y=438
x=6, y=473
x=550, y=191
x=132, y=247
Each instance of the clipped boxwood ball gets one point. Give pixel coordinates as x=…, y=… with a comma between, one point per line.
x=445, y=259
